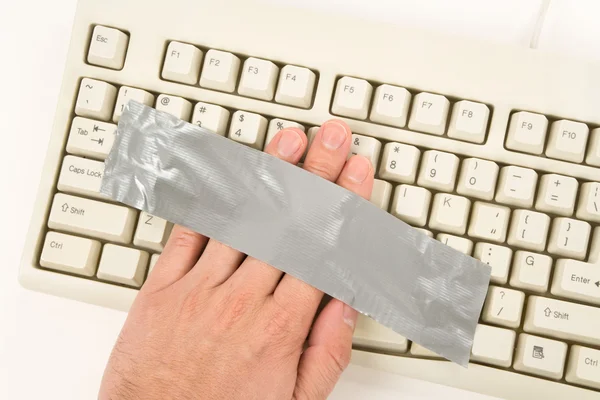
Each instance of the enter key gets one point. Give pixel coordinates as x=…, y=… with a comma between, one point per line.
x=564, y=320
x=579, y=280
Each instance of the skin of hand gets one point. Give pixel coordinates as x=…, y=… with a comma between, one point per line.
x=211, y=323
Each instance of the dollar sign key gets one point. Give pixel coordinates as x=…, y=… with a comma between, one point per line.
x=242, y=118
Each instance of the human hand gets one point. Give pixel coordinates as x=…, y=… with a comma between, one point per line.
x=211, y=323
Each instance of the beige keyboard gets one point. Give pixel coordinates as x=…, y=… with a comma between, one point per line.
x=493, y=150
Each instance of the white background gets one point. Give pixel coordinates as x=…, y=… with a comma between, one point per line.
x=53, y=348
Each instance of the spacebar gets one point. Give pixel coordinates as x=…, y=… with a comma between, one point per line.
x=563, y=320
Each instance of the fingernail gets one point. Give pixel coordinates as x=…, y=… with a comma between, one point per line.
x=289, y=143
x=334, y=135
x=358, y=169
x=350, y=315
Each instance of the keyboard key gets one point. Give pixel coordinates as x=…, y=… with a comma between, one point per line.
x=127, y=93
x=152, y=232
x=279, y=124
x=366, y=146
x=92, y=218
x=108, y=47
x=469, y=121
x=529, y=230
x=478, y=178
x=211, y=117
x=399, y=163
x=381, y=194
x=259, y=78
x=220, y=71
x=503, y=307
x=489, y=222
x=81, y=176
x=182, y=63
x=593, y=154
x=517, y=186
x=310, y=135
x=153, y=261
x=91, y=138
x=96, y=99
x=577, y=280
x=461, y=244
x=296, y=86
x=438, y=171
x=563, y=320
x=390, y=106
x=372, y=335
x=531, y=271
x=420, y=351
x=569, y=238
x=248, y=128
x=411, y=204
x=352, y=98
x=425, y=232
x=493, y=345
x=123, y=265
x=567, y=141
x=589, y=202
x=70, y=254
x=497, y=257
x=584, y=367
x=429, y=113
x=527, y=132
x=557, y=194
x=540, y=356
x=450, y=213
x=176, y=106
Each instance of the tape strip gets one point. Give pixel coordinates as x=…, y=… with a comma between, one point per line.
x=301, y=224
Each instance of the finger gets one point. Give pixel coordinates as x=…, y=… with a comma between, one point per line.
x=329, y=150
x=357, y=176
x=288, y=145
x=216, y=264
x=179, y=256
x=328, y=352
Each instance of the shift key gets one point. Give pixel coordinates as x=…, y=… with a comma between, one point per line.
x=563, y=320
x=92, y=218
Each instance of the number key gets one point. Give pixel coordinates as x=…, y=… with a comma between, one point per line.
x=438, y=171
x=125, y=95
x=399, y=163
x=478, y=178
x=365, y=146
x=248, y=128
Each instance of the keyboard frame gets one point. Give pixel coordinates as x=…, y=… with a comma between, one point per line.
x=507, y=78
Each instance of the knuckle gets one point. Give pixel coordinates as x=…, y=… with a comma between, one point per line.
x=236, y=307
x=339, y=357
x=321, y=167
x=184, y=239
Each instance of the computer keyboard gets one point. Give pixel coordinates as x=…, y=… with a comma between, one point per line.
x=493, y=150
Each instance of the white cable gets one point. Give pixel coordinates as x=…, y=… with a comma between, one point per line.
x=539, y=24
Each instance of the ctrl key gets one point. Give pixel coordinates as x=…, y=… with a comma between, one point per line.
x=70, y=254
x=584, y=367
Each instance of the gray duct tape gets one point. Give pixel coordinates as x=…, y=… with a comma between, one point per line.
x=301, y=224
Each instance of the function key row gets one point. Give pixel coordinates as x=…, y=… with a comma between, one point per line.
x=565, y=140
x=429, y=114
x=219, y=70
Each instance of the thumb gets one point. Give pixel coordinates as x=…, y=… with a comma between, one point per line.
x=328, y=352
